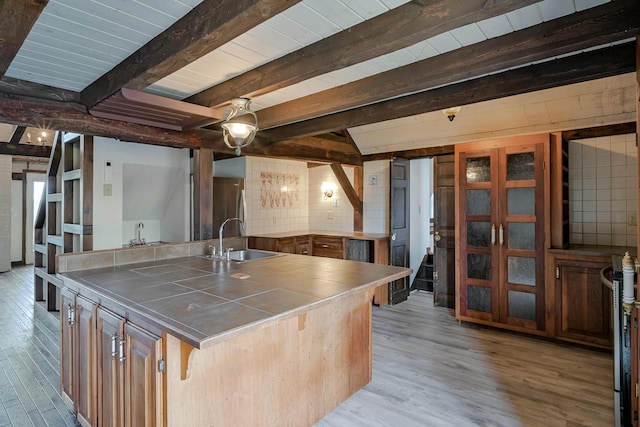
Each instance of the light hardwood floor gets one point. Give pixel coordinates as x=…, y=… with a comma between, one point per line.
x=427, y=371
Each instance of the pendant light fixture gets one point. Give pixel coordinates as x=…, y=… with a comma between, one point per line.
x=240, y=126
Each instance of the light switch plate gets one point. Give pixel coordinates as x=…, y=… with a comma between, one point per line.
x=107, y=190
x=329, y=214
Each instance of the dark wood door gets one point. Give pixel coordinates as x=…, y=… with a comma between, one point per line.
x=109, y=331
x=399, y=227
x=143, y=380
x=444, y=231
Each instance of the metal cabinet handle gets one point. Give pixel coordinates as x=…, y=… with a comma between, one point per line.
x=122, y=356
x=71, y=315
x=325, y=245
x=493, y=234
x=501, y=235
x=114, y=346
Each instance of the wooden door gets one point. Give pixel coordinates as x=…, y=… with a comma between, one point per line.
x=444, y=231
x=399, y=227
x=68, y=347
x=143, y=386
x=109, y=331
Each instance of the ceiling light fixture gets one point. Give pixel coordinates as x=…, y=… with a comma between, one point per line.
x=240, y=126
x=451, y=112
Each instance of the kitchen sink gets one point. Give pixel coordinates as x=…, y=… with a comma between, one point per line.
x=250, y=255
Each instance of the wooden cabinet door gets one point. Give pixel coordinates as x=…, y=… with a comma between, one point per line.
x=501, y=224
x=399, y=227
x=583, y=303
x=143, y=402
x=109, y=329
x=85, y=362
x=67, y=348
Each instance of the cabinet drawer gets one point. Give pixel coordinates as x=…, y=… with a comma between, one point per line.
x=326, y=246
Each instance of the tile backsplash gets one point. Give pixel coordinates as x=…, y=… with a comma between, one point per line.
x=603, y=181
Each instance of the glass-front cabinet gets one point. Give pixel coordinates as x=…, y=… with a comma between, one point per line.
x=500, y=251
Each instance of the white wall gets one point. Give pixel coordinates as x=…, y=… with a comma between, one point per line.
x=332, y=214
x=31, y=178
x=5, y=213
x=420, y=196
x=16, y=221
x=110, y=230
x=376, y=196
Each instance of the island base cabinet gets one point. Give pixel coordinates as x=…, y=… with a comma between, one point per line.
x=129, y=383
x=290, y=373
x=77, y=343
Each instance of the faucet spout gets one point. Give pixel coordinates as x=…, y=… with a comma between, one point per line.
x=221, y=251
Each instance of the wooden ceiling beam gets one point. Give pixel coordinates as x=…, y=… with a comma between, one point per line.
x=18, y=17
x=398, y=28
x=205, y=28
x=596, y=26
x=26, y=150
x=590, y=65
x=595, y=132
x=16, y=136
x=347, y=188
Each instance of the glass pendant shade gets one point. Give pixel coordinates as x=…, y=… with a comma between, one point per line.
x=241, y=125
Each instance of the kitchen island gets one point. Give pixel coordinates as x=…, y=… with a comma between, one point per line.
x=277, y=341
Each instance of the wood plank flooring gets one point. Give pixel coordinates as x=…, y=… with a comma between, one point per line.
x=427, y=371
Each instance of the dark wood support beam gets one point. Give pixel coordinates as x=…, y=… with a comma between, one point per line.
x=205, y=28
x=202, y=194
x=17, y=135
x=396, y=29
x=26, y=150
x=595, y=132
x=348, y=189
x=358, y=186
x=591, y=65
x=418, y=153
x=18, y=16
x=596, y=26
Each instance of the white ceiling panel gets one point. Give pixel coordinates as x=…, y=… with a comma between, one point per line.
x=525, y=17
x=468, y=35
x=553, y=9
x=84, y=28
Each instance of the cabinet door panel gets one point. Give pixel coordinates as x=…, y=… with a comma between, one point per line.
x=85, y=325
x=143, y=381
x=67, y=346
x=110, y=400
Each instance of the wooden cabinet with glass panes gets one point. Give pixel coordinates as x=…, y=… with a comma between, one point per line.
x=501, y=229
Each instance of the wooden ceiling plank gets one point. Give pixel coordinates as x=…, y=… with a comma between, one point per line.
x=18, y=17
x=398, y=28
x=591, y=65
x=418, y=153
x=13, y=86
x=596, y=26
x=205, y=28
x=595, y=132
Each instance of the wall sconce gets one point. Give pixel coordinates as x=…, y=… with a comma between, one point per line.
x=240, y=126
x=327, y=190
x=451, y=112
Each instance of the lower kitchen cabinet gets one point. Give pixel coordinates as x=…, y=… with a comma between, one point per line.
x=77, y=365
x=582, y=302
x=110, y=368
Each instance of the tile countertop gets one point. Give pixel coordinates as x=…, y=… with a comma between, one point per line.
x=351, y=235
x=203, y=301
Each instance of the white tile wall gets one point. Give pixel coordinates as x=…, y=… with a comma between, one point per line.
x=275, y=218
x=603, y=176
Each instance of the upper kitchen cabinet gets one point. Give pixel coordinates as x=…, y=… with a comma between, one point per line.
x=501, y=228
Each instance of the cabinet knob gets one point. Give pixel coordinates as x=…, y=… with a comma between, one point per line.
x=394, y=236
x=436, y=236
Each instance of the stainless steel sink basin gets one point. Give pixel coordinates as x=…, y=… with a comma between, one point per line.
x=250, y=255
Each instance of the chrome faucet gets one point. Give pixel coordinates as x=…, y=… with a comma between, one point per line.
x=221, y=253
